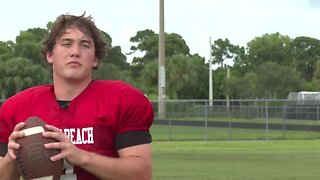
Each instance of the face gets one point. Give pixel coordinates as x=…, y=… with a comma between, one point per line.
x=73, y=57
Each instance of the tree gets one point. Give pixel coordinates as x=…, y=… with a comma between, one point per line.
x=269, y=48
x=244, y=86
x=219, y=83
x=19, y=73
x=187, y=77
x=306, y=53
x=6, y=50
x=148, y=81
x=29, y=44
x=276, y=81
x=114, y=65
x=221, y=51
x=115, y=56
x=240, y=66
x=107, y=38
x=147, y=41
x=110, y=71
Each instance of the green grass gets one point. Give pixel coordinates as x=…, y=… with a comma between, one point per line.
x=257, y=160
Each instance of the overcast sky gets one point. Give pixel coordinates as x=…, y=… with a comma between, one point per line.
x=195, y=20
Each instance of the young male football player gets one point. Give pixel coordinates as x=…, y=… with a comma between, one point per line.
x=102, y=126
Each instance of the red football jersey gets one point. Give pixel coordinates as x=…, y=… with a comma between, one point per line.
x=99, y=120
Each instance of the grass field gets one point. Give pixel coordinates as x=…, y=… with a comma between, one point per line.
x=236, y=160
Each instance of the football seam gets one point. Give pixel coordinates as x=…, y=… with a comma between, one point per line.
x=20, y=164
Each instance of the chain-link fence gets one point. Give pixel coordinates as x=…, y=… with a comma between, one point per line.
x=236, y=120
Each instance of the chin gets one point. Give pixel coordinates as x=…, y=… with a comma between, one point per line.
x=77, y=78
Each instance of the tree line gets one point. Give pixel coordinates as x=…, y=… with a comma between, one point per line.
x=269, y=66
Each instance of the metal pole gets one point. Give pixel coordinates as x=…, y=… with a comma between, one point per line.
x=161, y=65
x=267, y=121
x=228, y=89
x=210, y=74
x=206, y=122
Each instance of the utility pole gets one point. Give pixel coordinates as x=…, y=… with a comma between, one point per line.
x=161, y=64
x=210, y=74
x=228, y=88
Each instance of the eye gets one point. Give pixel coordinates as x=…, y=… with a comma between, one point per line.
x=66, y=43
x=85, y=45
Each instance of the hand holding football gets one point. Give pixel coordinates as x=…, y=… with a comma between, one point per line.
x=33, y=159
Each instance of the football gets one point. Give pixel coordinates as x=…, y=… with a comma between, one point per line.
x=33, y=159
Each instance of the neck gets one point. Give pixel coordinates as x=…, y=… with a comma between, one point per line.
x=68, y=90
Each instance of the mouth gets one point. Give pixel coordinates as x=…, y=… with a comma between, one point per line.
x=74, y=63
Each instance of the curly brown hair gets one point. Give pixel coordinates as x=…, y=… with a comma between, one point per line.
x=84, y=24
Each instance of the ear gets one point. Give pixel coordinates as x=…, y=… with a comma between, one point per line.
x=49, y=57
x=95, y=62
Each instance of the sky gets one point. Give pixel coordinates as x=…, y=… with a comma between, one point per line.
x=196, y=21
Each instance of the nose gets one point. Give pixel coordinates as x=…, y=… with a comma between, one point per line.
x=75, y=51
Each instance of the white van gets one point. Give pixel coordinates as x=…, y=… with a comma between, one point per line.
x=304, y=98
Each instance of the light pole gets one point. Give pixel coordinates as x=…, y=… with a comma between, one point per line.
x=210, y=74
x=161, y=65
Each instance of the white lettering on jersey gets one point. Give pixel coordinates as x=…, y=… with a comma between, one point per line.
x=80, y=135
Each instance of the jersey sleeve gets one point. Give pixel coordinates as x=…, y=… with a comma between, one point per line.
x=6, y=121
x=135, y=119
